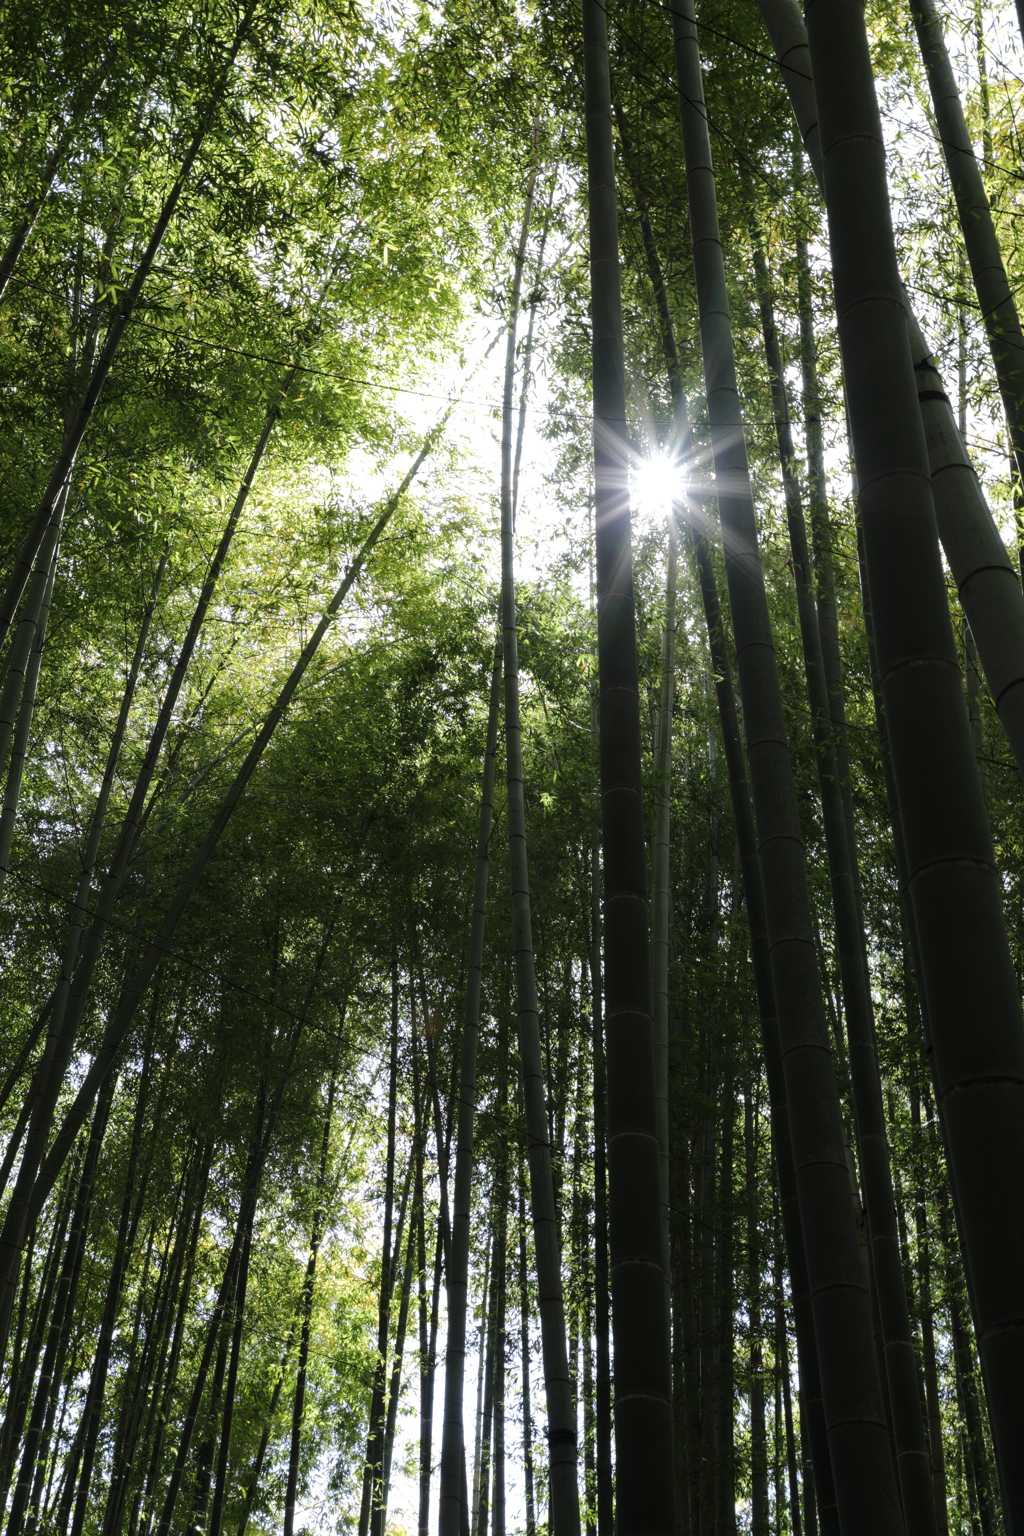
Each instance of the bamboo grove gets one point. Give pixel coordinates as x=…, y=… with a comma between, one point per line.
x=511, y=735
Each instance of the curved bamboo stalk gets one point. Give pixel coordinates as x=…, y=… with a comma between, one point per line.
x=995, y=296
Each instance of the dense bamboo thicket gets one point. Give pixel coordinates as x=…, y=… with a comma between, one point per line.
x=511, y=735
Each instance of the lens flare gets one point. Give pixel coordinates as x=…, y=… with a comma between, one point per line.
x=656, y=482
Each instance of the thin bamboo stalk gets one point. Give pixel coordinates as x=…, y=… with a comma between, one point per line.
x=543, y=1209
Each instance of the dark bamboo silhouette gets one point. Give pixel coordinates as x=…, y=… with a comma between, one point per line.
x=457, y=1277
x=900, y=1371
x=645, y=1480
x=858, y=1445
x=988, y=586
x=753, y=891
x=955, y=888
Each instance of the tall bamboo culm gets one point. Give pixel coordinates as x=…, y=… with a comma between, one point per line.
x=973, y=1002
x=987, y=582
x=645, y=1480
x=900, y=1375
x=564, y=1491
x=753, y=890
x=866, y=1489
x=453, y=1432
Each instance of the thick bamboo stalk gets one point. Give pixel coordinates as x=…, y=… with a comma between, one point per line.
x=974, y=1012
x=987, y=583
x=900, y=1368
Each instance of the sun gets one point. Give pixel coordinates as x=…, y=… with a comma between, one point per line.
x=655, y=482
